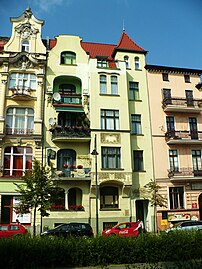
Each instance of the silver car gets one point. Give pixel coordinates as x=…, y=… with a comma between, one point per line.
x=186, y=226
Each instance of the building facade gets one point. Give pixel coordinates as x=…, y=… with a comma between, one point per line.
x=97, y=131
x=176, y=120
x=22, y=76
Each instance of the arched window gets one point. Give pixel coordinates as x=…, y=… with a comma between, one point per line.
x=68, y=57
x=126, y=59
x=114, y=85
x=109, y=197
x=137, y=63
x=66, y=157
x=25, y=46
x=75, y=199
x=58, y=199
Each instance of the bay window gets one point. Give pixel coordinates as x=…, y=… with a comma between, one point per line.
x=17, y=160
x=22, y=82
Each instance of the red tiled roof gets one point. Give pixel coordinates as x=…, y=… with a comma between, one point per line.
x=97, y=49
x=52, y=43
x=126, y=43
x=3, y=41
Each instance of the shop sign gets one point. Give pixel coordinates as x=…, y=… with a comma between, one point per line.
x=164, y=222
x=178, y=217
x=22, y=218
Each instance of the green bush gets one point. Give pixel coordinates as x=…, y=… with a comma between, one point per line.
x=24, y=253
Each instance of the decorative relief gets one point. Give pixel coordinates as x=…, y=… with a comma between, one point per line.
x=26, y=30
x=23, y=63
x=122, y=177
x=110, y=138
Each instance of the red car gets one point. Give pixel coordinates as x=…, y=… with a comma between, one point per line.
x=125, y=229
x=9, y=230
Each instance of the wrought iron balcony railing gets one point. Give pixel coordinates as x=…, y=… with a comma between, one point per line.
x=182, y=102
x=188, y=135
x=74, y=99
x=184, y=172
x=68, y=131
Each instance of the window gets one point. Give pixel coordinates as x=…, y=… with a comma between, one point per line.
x=176, y=195
x=165, y=76
x=25, y=46
x=170, y=123
x=114, y=85
x=109, y=197
x=187, y=78
x=22, y=81
x=136, y=124
x=102, y=63
x=173, y=159
x=189, y=97
x=20, y=121
x=134, y=90
x=193, y=127
x=137, y=63
x=111, y=158
x=109, y=119
x=103, y=84
x=17, y=160
x=68, y=57
x=138, y=160
x=167, y=99
x=66, y=158
x=126, y=59
x=196, y=160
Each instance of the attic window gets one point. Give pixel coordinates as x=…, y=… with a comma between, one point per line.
x=68, y=57
x=25, y=46
x=102, y=63
x=137, y=63
x=126, y=59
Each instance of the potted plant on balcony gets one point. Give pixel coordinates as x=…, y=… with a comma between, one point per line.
x=79, y=166
x=65, y=165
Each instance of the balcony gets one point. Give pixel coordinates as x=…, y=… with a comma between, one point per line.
x=184, y=173
x=183, y=137
x=182, y=105
x=19, y=131
x=21, y=93
x=74, y=173
x=67, y=99
x=77, y=134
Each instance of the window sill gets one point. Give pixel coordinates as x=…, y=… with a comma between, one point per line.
x=69, y=64
x=112, y=169
x=110, y=94
x=137, y=134
x=139, y=100
x=110, y=209
x=138, y=69
x=140, y=171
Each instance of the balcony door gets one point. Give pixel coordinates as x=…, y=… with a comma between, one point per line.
x=189, y=98
x=167, y=96
x=193, y=128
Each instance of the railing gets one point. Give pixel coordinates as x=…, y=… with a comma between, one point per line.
x=69, y=99
x=184, y=172
x=182, y=102
x=19, y=131
x=190, y=135
x=68, y=131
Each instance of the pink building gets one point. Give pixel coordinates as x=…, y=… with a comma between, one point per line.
x=176, y=120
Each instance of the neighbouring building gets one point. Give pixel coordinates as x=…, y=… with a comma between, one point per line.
x=22, y=75
x=176, y=120
x=97, y=131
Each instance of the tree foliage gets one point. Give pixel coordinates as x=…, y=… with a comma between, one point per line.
x=156, y=199
x=36, y=190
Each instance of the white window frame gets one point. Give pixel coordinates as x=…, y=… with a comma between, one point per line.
x=137, y=63
x=114, y=85
x=22, y=81
x=25, y=46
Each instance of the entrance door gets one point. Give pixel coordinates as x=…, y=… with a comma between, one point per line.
x=200, y=206
x=141, y=210
x=6, y=209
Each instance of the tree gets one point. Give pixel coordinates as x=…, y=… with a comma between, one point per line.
x=36, y=191
x=156, y=199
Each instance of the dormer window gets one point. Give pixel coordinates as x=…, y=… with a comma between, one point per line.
x=68, y=57
x=137, y=63
x=126, y=59
x=102, y=63
x=25, y=46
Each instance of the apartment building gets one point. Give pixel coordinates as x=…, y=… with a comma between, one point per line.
x=176, y=120
x=97, y=131
x=22, y=75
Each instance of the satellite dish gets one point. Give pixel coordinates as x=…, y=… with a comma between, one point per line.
x=51, y=121
x=56, y=96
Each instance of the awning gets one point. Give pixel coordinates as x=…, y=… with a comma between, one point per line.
x=70, y=109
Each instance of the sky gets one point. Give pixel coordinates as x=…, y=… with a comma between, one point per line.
x=170, y=30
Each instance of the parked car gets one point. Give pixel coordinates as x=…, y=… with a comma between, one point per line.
x=10, y=230
x=131, y=229
x=70, y=229
x=186, y=226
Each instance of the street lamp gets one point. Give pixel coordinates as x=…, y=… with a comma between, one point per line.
x=95, y=153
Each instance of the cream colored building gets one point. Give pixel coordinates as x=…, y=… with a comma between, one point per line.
x=176, y=120
x=22, y=73
x=96, y=99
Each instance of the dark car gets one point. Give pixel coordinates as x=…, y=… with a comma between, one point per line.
x=187, y=225
x=70, y=229
x=10, y=230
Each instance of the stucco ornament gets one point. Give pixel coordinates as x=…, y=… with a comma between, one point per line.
x=26, y=30
x=23, y=63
